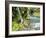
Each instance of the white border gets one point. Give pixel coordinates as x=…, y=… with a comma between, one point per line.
x=25, y=32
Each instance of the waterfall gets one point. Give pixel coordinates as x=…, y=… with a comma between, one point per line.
x=20, y=15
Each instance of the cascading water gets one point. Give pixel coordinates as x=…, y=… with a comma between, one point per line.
x=20, y=15
x=33, y=21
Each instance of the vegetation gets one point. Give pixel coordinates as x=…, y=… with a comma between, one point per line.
x=21, y=16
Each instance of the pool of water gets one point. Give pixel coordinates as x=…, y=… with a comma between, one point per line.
x=34, y=23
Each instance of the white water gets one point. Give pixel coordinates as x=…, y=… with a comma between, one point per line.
x=34, y=21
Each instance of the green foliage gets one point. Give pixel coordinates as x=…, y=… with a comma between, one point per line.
x=17, y=24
